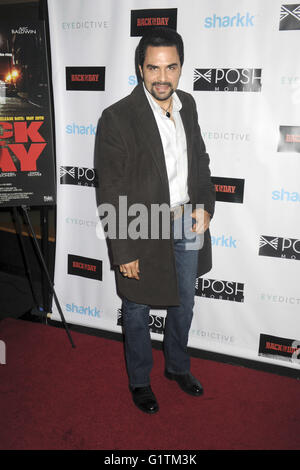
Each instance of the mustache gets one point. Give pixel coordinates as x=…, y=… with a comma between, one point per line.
x=162, y=83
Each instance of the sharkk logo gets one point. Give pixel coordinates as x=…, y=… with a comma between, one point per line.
x=290, y=17
x=276, y=247
x=227, y=79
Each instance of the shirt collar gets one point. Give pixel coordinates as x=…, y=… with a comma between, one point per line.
x=177, y=105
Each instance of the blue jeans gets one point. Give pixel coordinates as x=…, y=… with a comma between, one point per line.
x=138, y=348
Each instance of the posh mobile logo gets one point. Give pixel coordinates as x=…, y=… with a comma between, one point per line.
x=78, y=176
x=156, y=322
x=289, y=17
x=85, y=267
x=85, y=78
x=228, y=79
x=236, y=21
x=144, y=20
x=289, y=140
x=220, y=290
x=276, y=247
x=229, y=189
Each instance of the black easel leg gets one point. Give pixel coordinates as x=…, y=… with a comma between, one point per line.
x=24, y=208
x=26, y=261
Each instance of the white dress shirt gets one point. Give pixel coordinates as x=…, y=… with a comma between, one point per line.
x=174, y=145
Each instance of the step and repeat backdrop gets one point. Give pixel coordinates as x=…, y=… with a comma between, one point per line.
x=242, y=67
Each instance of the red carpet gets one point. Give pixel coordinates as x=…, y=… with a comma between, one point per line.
x=56, y=397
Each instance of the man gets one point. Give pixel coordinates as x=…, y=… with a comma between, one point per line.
x=149, y=149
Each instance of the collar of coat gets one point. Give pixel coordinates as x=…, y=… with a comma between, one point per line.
x=147, y=125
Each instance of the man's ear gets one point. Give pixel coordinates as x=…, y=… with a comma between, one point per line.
x=141, y=72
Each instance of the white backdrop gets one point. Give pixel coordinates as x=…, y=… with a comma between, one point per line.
x=249, y=304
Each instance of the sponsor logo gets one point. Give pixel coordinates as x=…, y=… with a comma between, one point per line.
x=81, y=222
x=78, y=175
x=83, y=310
x=213, y=336
x=143, y=20
x=227, y=242
x=85, y=267
x=156, y=322
x=229, y=189
x=289, y=17
x=289, y=139
x=276, y=247
x=85, y=78
x=236, y=21
x=287, y=196
x=220, y=290
x=280, y=299
x=132, y=80
x=84, y=25
x=279, y=348
x=226, y=136
x=77, y=129
x=227, y=79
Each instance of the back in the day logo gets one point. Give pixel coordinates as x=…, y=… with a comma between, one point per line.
x=85, y=78
x=85, y=267
x=78, y=176
x=289, y=139
x=279, y=348
x=227, y=79
x=289, y=17
x=276, y=247
x=229, y=189
x=144, y=20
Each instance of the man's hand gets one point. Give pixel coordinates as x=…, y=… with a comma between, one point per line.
x=202, y=220
x=131, y=269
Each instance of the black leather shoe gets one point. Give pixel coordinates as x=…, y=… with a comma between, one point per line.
x=144, y=399
x=187, y=383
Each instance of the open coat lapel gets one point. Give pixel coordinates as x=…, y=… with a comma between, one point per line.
x=146, y=123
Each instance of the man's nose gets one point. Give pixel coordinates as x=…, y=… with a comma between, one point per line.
x=162, y=75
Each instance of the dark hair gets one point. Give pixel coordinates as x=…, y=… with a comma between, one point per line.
x=160, y=37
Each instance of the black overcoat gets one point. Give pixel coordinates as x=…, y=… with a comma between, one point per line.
x=129, y=161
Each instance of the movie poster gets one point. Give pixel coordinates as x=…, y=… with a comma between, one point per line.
x=27, y=171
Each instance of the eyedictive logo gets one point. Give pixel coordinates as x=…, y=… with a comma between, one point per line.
x=220, y=79
x=220, y=290
x=286, y=196
x=85, y=78
x=78, y=176
x=289, y=17
x=229, y=189
x=276, y=247
x=144, y=20
x=289, y=139
x=236, y=21
x=279, y=348
x=83, y=310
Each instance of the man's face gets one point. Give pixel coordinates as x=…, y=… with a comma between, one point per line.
x=161, y=71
